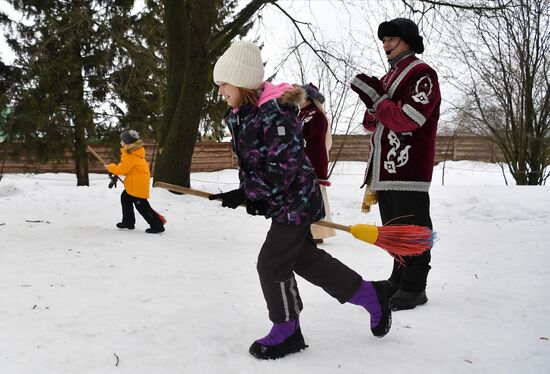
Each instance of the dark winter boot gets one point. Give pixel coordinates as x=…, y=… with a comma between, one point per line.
x=283, y=339
x=375, y=298
x=404, y=300
x=393, y=287
x=122, y=225
x=155, y=230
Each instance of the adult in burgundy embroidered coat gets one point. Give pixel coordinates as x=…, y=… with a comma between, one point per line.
x=402, y=112
x=317, y=144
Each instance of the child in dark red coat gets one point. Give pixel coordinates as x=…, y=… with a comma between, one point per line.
x=318, y=141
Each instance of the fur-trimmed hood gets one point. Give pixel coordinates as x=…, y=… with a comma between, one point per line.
x=133, y=146
x=296, y=96
x=284, y=93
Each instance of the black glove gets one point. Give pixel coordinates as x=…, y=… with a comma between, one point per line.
x=230, y=199
x=256, y=208
x=369, y=89
x=114, y=180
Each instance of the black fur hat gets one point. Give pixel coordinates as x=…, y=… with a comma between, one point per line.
x=312, y=93
x=405, y=29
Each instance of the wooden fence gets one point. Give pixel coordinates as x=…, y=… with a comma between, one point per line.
x=475, y=148
x=211, y=156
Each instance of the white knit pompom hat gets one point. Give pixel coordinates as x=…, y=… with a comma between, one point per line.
x=240, y=65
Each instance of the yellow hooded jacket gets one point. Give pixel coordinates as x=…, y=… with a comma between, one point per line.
x=136, y=169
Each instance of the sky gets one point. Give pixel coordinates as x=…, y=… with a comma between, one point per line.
x=6, y=55
x=78, y=295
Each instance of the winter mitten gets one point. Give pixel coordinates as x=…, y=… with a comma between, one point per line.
x=369, y=89
x=114, y=180
x=231, y=199
x=256, y=208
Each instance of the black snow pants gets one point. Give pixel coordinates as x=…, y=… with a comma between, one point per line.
x=291, y=249
x=408, y=208
x=143, y=207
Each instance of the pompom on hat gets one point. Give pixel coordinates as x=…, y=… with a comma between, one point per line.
x=312, y=93
x=405, y=29
x=129, y=136
x=240, y=65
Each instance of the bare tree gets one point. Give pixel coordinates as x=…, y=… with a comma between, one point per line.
x=333, y=83
x=506, y=91
x=197, y=32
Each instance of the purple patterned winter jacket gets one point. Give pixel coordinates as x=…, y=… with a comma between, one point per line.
x=272, y=163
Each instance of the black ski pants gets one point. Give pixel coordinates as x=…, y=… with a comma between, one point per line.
x=408, y=208
x=143, y=207
x=291, y=249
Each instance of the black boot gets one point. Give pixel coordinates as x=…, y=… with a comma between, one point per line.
x=122, y=225
x=393, y=287
x=383, y=291
x=294, y=343
x=404, y=300
x=155, y=230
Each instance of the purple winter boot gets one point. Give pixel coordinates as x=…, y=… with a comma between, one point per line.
x=284, y=338
x=375, y=298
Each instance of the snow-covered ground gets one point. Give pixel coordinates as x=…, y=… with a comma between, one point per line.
x=79, y=296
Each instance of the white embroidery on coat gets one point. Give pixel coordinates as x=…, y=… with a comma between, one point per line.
x=396, y=153
x=403, y=156
x=307, y=118
x=423, y=90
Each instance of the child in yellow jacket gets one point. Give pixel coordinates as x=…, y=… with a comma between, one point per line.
x=136, y=184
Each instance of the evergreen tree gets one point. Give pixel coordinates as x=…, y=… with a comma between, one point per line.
x=77, y=56
x=197, y=32
x=139, y=81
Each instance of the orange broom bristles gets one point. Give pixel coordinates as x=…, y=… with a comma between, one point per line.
x=405, y=240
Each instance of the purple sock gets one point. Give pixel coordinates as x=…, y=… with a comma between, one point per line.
x=279, y=332
x=367, y=298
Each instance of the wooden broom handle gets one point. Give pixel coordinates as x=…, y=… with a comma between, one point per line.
x=96, y=155
x=185, y=190
x=333, y=225
x=193, y=192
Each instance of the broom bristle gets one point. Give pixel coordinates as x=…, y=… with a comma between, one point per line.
x=405, y=240
x=161, y=217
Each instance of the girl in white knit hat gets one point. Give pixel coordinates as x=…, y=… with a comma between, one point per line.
x=278, y=181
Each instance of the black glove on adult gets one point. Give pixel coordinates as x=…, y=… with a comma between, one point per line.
x=369, y=89
x=256, y=208
x=230, y=199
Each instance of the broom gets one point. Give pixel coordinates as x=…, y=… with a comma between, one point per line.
x=397, y=240
x=92, y=151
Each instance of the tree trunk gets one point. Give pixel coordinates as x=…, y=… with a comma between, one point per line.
x=188, y=70
x=81, y=118
x=80, y=156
